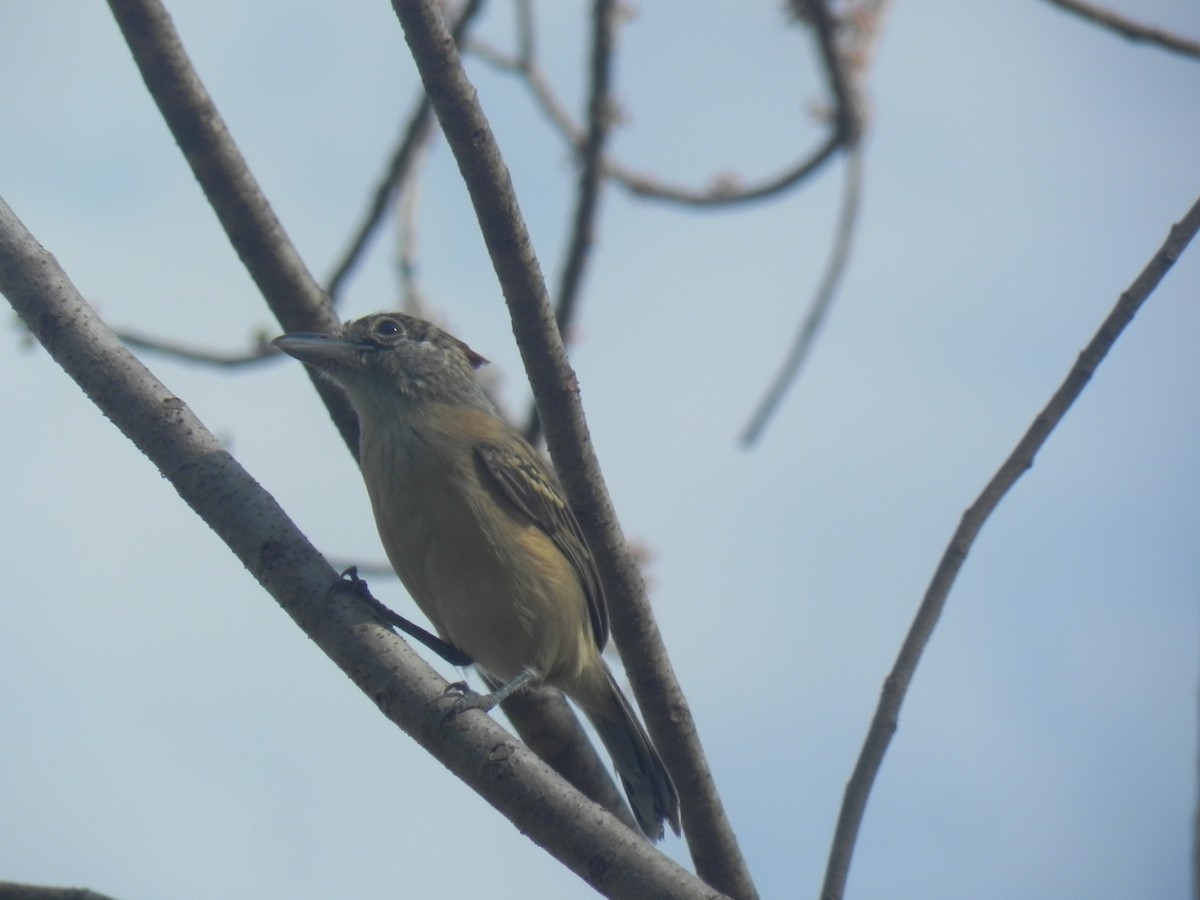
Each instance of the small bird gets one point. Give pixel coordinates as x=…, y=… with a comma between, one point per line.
x=475, y=523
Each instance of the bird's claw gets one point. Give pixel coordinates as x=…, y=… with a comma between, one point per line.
x=467, y=699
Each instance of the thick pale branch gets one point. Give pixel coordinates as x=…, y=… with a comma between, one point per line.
x=887, y=713
x=502, y=770
x=711, y=839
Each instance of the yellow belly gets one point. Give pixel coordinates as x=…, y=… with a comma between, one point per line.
x=494, y=586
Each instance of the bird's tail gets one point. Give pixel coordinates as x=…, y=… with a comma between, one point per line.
x=648, y=785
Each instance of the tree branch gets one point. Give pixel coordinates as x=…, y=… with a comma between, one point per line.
x=723, y=192
x=416, y=134
x=587, y=195
x=11, y=890
x=503, y=771
x=710, y=838
x=250, y=223
x=884, y=724
x=819, y=305
x=260, y=352
x=1127, y=28
x=837, y=54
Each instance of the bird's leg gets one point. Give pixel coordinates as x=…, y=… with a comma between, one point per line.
x=499, y=693
x=444, y=649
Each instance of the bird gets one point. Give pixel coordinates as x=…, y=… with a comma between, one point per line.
x=476, y=525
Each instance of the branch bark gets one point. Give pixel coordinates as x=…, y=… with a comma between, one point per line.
x=887, y=713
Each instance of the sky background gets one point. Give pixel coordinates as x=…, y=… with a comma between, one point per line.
x=168, y=732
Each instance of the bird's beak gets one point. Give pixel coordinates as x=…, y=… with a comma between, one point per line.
x=315, y=348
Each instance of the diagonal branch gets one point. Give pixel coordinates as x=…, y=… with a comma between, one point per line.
x=503, y=771
x=1128, y=28
x=591, y=179
x=403, y=159
x=710, y=837
x=887, y=713
x=242, y=208
x=416, y=134
x=839, y=72
x=820, y=304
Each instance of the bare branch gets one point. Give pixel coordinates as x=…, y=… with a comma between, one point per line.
x=886, y=718
x=412, y=295
x=844, y=49
x=262, y=350
x=1127, y=28
x=10, y=890
x=723, y=191
x=712, y=841
x=502, y=770
x=820, y=304
x=587, y=196
x=416, y=134
x=847, y=110
x=256, y=234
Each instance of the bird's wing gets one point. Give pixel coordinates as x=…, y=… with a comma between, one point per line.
x=534, y=490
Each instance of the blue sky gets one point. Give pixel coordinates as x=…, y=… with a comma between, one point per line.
x=169, y=732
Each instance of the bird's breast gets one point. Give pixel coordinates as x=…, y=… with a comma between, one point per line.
x=493, y=585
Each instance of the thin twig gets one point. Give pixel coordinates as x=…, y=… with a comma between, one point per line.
x=1127, y=28
x=261, y=351
x=848, y=114
x=849, y=119
x=710, y=837
x=820, y=304
x=883, y=725
x=587, y=195
x=723, y=192
x=412, y=295
x=416, y=134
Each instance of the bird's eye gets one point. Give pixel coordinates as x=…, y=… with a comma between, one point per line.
x=387, y=328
